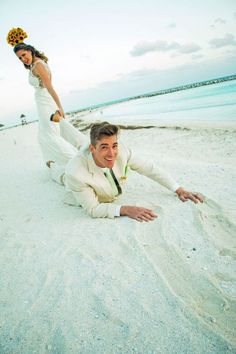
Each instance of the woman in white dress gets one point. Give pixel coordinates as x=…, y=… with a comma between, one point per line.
x=58, y=139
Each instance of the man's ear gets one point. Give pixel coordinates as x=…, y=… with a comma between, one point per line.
x=91, y=148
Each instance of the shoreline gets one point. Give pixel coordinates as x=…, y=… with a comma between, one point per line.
x=85, y=124
x=158, y=93
x=96, y=109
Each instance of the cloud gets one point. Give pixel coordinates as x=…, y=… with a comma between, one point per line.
x=157, y=46
x=189, y=48
x=171, y=25
x=85, y=56
x=197, y=56
x=220, y=20
x=227, y=40
x=163, y=46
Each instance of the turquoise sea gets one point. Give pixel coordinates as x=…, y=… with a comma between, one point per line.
x=215, y=102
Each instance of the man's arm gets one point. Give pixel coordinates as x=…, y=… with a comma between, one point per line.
x=151, y=170
x=86, y=197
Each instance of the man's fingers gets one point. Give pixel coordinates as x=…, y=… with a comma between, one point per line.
x=150, y=212
x=138, y=213
x=192, y=197
x=146, y=215
x=149, y=216
x=198, y=196
x=195, y=197
x=183, y=198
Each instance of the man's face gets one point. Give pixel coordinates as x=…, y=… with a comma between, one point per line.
x=105, y=151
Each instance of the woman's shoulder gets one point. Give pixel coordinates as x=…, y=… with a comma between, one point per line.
x=37, y=63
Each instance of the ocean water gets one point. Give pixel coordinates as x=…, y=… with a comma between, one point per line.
x=215, y=102
x=209, y=103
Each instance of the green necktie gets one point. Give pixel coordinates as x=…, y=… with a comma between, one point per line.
x=113, y=181
x=116, y=182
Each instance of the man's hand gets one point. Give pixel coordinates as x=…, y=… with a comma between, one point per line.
x=184, y=196
x=137, y=213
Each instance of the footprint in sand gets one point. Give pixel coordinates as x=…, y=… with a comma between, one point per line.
x=211, y=298
x=217, y=227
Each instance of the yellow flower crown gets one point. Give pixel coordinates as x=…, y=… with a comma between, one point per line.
x=16, y=36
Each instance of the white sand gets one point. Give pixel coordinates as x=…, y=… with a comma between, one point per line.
x=72, y=284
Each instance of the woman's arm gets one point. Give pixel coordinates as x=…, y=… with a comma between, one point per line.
x=44, y=75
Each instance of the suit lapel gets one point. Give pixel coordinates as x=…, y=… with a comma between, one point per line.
x=100, y=181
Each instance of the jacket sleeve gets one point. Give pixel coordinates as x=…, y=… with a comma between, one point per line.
x=152, y=171
x=84, y=195
x=57, y=172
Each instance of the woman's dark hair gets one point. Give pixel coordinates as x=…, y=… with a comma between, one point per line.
x=99, y=130
x=35, y=52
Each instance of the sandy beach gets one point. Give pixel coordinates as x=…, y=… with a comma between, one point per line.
x=73, y=284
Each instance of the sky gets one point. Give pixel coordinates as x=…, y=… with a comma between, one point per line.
x=105, y=50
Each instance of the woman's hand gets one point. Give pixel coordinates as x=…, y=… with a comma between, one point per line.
x=61, y=111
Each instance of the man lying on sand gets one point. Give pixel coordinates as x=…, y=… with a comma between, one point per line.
x=95, y=177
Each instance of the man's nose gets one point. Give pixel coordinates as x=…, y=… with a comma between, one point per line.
x=111, y=152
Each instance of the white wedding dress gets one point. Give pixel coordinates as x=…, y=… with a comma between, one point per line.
x=59, y=142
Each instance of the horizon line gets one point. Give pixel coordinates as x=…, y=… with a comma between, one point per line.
x=159, y=92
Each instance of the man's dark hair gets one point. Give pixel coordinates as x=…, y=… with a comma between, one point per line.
x=99, y=130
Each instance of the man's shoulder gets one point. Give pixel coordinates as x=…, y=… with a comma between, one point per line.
x=79, y=162
x=124, y=152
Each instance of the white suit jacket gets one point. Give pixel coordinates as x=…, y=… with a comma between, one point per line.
x=87, y=186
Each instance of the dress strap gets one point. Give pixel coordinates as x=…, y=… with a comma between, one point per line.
x=35, y=76
x=40, y=61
